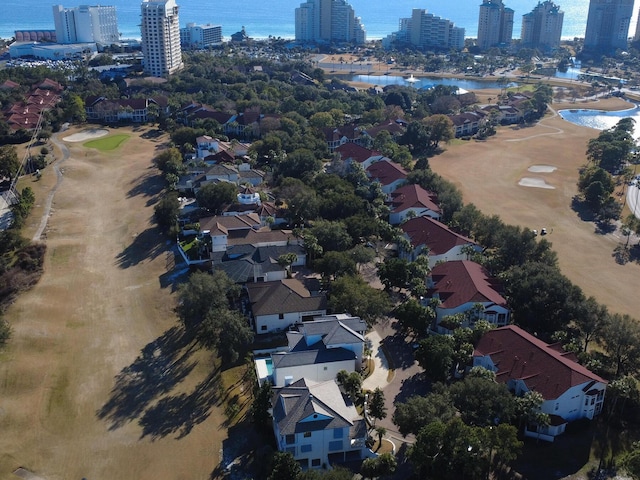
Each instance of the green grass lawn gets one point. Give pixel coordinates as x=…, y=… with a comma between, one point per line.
x=108, y=143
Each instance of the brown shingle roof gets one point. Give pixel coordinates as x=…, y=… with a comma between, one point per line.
x=283, y=296
x=413, y=196
x=433, y=234
x=462, y=281
x=355, y=152
x=519, y=355
x=386, y=172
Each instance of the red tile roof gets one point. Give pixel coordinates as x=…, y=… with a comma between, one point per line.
x=413, y=196
x=519, y=355
x=355, y=152
x=462, y=281
x=386, y=172
x=435, y=235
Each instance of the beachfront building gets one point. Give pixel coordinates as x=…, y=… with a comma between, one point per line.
x=426, y=31
x=542, y=27
x=328, y=21
x=200, y=36
x=86, y=24
x=160, y=29
x=608, y=25
x=495, y=24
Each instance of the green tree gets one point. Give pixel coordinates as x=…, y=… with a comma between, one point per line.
x=284, y=467
x=9, y=163
x=394, y=272
x=166, y=213
x=377, y=407
x=352, y=294
x=418, y=411
x=440, y=129
x=621, y=341
x=286, y=260
x=351, y=383
x=435, y=354
x=215, y=196
x=261, y=405
x=5, y=331
x=413, y=317
x=591, y=320
x=331, y=235
x=482, y=402
x=335, y=264
x=169, y=161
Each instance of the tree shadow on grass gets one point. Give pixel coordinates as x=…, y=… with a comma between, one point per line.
x=180, y=413
x=245, y=453
x=582, y=209
x=145, y=246
x=161, y=365
x=149, y=184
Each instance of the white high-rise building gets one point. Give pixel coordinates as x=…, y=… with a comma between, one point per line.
x=327, y=21
x=160, y=29
x=200, y=36
x=495, y=24
x=426, y=31
x=86, y=24
x=542, y=28
x=608, y=25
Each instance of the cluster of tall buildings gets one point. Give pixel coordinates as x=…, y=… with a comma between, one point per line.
x=86, y=24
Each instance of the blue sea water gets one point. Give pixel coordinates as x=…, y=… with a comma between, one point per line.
x=262, y=18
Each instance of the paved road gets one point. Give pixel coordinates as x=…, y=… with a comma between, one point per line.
x=633, y=199
x=408, y=377
x=47, y=206
x=5, y=214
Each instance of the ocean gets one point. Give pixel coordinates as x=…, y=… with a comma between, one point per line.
x=262, y=18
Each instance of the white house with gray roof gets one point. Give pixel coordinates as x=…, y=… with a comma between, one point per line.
x=317, y=424
x=317, y=350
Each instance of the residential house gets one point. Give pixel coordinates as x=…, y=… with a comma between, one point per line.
x=26, y=114
x=316, y=424
x=525, y=363
x=231, y=231
x=255, y=263
x=412, y=200
x=354, y=153
x=395, y=128
x=136, y=110
x=275, y=306
x=467, y=123
x=336, y=136
x=427, y=235
x=388, y=174
x=466, y=287
x=193, y=112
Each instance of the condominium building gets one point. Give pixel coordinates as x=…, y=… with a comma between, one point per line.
x=542, y=28
x=86, y=24
x=427, y=31
x=160, y=28
x=200, y=36
x=327, y=21
x=495, y=24
x=608, y=25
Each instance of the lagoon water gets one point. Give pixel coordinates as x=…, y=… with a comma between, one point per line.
x=600, y=119
x=276, y=17
x=428, y=82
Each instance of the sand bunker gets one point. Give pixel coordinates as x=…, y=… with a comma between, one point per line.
x=86, y=135
x=542, y=168
x=534, y=182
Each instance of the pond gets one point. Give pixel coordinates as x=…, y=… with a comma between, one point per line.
x=599, y=119
x=429, y=82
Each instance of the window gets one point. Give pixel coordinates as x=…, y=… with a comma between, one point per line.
x=338, y=433
x=307, y=434
x=281, y=316
x=289, y=439
x=336, y=445
x=291, y=450
x=263, y=327
x=305, y=448
x=325, y=369
x=315, y=462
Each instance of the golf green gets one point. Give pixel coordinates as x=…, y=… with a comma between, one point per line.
x=108, y=143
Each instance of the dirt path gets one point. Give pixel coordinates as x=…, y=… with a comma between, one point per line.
x=488, y=174
x=96, y=382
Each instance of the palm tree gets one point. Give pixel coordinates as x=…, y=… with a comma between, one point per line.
x=381, y=431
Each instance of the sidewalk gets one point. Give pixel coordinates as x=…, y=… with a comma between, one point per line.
x=379, y=376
